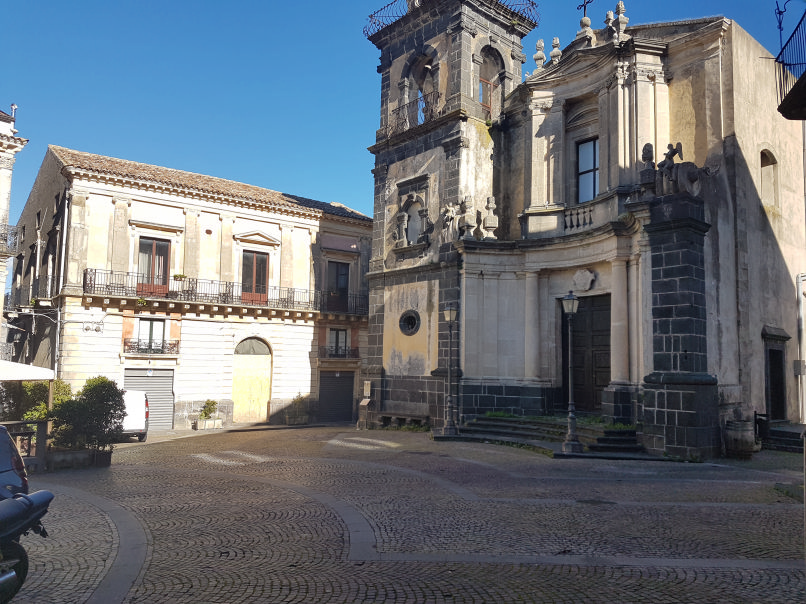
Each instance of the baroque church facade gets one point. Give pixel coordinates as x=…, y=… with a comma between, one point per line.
x=642, y=167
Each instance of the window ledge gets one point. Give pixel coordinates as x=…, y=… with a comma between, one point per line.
x=410, y=248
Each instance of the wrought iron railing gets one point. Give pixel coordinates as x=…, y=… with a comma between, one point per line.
x=791, y=61
x=422, y=110
x=399, y=8
x=136, y=346
x=10, y=240
x=206, y=291
x=39, y=289
x=338, y=352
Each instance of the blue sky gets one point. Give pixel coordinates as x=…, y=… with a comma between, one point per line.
x=283, y=95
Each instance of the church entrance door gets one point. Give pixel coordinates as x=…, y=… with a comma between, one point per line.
x=591, y=353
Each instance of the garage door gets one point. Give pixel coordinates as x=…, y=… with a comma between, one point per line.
x=336, y=396
x=159, y=385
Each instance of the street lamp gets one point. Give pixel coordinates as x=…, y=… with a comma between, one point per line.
x=450, y=426
x=571, y=443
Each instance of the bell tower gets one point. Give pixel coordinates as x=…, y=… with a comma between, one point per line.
x=446, y=67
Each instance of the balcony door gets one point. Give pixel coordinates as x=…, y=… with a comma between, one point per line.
x=255, y=277
x=151, y=336
x=338, y=286
x=152, y=267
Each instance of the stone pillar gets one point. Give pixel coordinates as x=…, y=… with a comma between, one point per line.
x=680, y=414
x=6, y=170
x=619, y=325
x=633, y=279
x=118, y=252
x=190, y=264
x=76, y=243
x=287, y=256
x=536, y=148
x=617, y=397
x=227, y=247
x=531, y=345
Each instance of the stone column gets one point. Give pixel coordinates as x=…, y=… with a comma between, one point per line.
x=633, y=279
x=617, y=398
x=532, y=332
x=619, y=324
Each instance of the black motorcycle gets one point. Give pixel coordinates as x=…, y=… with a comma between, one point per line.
x=18, y=516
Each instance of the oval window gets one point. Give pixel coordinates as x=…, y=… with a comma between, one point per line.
x=410, y=322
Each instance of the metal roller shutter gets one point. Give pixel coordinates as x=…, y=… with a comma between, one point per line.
x=159, y=385
x=336, y=396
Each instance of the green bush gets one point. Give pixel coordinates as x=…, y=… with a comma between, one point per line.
x=19, y=399
x=93, y=419
x=209, y=408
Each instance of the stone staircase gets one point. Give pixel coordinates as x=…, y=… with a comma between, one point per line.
x=545, y=435
x=783, y=437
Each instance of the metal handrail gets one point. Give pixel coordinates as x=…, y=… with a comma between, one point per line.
x=791, y=61
x=38, y=289
x=338, y=352
x=138, y=346
x=10, y=240
x=400, y=8
x=206, y=291
x=424, y=109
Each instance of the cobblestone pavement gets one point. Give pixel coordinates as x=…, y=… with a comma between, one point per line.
x=330, y=514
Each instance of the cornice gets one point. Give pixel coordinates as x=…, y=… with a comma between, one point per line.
x=12, y=143
x=74, y=173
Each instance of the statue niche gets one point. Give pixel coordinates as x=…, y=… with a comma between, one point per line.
x=413, y=225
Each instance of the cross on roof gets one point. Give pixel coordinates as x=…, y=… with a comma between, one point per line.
x=584, y=7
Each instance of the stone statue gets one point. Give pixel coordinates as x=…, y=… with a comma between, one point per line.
x=490, y=222
x=539, y=56
x=556, y=54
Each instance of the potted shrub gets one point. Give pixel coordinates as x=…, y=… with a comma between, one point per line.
x=206, y=420
x=298, y=412
x=92, y=421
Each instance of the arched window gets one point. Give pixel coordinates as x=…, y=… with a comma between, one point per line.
x=422, y=81
x=415, y=226
x=489, y=70
x=252, y=346
x=769, y=169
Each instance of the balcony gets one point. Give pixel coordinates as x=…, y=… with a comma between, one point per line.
x=39, y=291
x=10, y=241
x=205, y=291
x=135, y=346
x=338, y=352
x=396, y=9
x=423, y=110
x=558, y=221
x=790, y=67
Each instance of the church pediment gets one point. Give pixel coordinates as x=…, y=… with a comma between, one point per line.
x=256, y=238
x=578, y=65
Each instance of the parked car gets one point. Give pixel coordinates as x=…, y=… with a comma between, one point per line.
x=13, y=477
x=136, y=421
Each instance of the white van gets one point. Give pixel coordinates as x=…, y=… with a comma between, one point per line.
x=136, y=421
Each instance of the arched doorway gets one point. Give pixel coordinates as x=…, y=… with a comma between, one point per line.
x=251, y=381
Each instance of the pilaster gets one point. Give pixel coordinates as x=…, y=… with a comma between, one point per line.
x=680, y=414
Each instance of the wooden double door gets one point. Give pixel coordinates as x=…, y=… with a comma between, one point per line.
x=590, y=353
